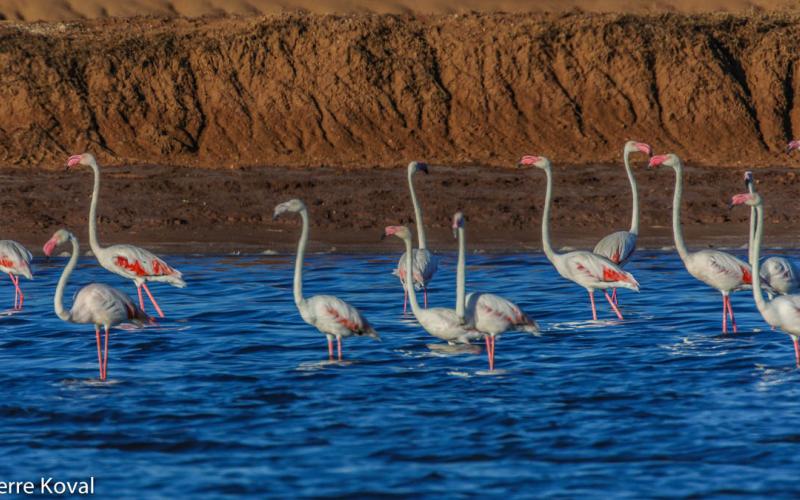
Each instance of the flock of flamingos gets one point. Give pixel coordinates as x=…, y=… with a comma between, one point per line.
x=476, y=316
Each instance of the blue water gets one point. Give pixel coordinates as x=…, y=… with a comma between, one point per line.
x=233, y=395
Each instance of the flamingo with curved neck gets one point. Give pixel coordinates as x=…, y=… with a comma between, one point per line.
x=618, y=247
x=490, y=314
x=780, y=312
x=719, y=270
x=443, y=323
x=425, y=263
x=330, y=315
x=589, y=270
x=128, y=261
x=96, y=304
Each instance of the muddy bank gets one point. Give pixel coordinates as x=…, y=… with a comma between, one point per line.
x=211, y=210
x=378, y=90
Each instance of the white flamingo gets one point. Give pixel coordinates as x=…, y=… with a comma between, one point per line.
x=780, y=312
x=96, y=304
x=716, y=269
x=447, y=324
x=618, y=247
x=490, y=314
x=587, y=269
x=128, y=261
x=15, y=260
x=328, y=314
x=425, y=263
x=778, y=273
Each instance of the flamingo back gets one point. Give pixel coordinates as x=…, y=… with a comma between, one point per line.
x=781, y=275
x=593, y=271
x=617, y=247
x=139, y=265
x=720, y=270
x=333, y=316
x=494, y=315
x=100, y=304
x=425, y=266
x=15, y=259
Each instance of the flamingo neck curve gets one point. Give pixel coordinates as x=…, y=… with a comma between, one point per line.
x=422, y=240
x=755, y=255
x=680, y=244
x=93, y=243
x=409, y=283
x=58, y=303
x=298, y=263
x=461, y=274
x=552, y=256
x=634, y=194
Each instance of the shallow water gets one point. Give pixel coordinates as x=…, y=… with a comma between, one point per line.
x=233, y=394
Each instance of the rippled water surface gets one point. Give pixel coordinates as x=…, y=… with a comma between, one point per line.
x=232, y=394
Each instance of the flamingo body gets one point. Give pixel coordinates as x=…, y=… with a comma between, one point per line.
x=102, y=305
x=15, y=261
x=593, y=272
x=139, y=265
x=445, y=324
x=333, y=316
x=781, y=275
x=494, y=315
x=719, y=270
x=425, y=266
x=617, y=247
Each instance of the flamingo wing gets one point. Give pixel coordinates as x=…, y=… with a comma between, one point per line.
x=134, y=262
x=494, y=314
x=337, y=317
x=781, y=275
x=425, y=266
x=590, y=270
x=721, y=270
x=15, y=258
x=617, y=247
x=103, y=305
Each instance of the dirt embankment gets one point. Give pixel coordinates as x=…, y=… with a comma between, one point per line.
x=369, y=90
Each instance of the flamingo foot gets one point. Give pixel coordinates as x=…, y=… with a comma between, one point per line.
x=152, y=300
x=613, y=305
x=594, y=309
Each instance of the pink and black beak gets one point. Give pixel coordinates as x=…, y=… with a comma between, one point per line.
x=528, y=161
x=50, y=246
x=741, y=199
x=73, y=160
x=795, y=144
x=656, y=161
x=644, y=148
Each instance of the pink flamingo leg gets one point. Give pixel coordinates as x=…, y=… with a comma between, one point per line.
x=614, y=296
x=489, y=351
x=594, y=309
x=733, y=318
x=17, y=291
x=494, y=341
x=105, y=357
x=339, y=346
x=330, y=348
x=141, y=299
x=152, y=300
x=405, y=300
x=724, y=315
x=796, y=351
x=613, y=305
x=99, y=355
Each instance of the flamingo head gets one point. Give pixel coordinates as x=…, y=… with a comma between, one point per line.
x=748, y=180
x=458, y=223
x=795, y=144
x=417, y=166
x=291, y=206
x=86, y=159
x=59, y=238
x=668, y=160
x=401, y=232
x=642, y=147
x=534, y=161
x=751, y=199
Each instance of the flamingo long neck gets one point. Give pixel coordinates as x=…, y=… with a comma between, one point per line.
x=58, y=300
x=755, y=254
x=412, y=295
x=680, y=244
x=423, y=242
x=298, y=263
x=93, y=243
x=752, y=226
x=546, y=246
x=634, y=194
x=461, y=274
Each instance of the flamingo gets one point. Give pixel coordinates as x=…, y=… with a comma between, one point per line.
x=783, y=311
x=450, y=325
x=778, y=273
x=586, y=269
x=128, y=261
x=330, y=315
x=96, y=304
x=425, y=263
x=618, y=247
x=716, y=269
x=15, y=261
x=490, y=314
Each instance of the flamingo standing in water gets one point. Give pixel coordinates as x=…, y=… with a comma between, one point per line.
x=784, y=311
x=619, y=247
x=96, y=304
x=425, y=263
x=450, y=325
x=778, y=273
x=330, y=315
x=716, y=269
x=15, y=260
x=490, y=314
x=587, y=269
x=128, y=261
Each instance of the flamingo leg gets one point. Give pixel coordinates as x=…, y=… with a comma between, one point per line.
x=17, y=292
x=105, y=357
x=488, y=340
x=494, y=340
x=425, y=295
x=405, y=300
x=613, y=305
x=730, y=312
x=152, y=300
x=141, y=299
x=724, y=315
x=796, y=351
x=339, y=346
x=594, y=309
x=614, y=296
x=99, y=354
x=330, y=347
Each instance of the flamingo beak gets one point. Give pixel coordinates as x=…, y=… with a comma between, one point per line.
x=792, y=146
x=49, y=247
x=656, y=160
x=72, y=161
x=644, y=148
